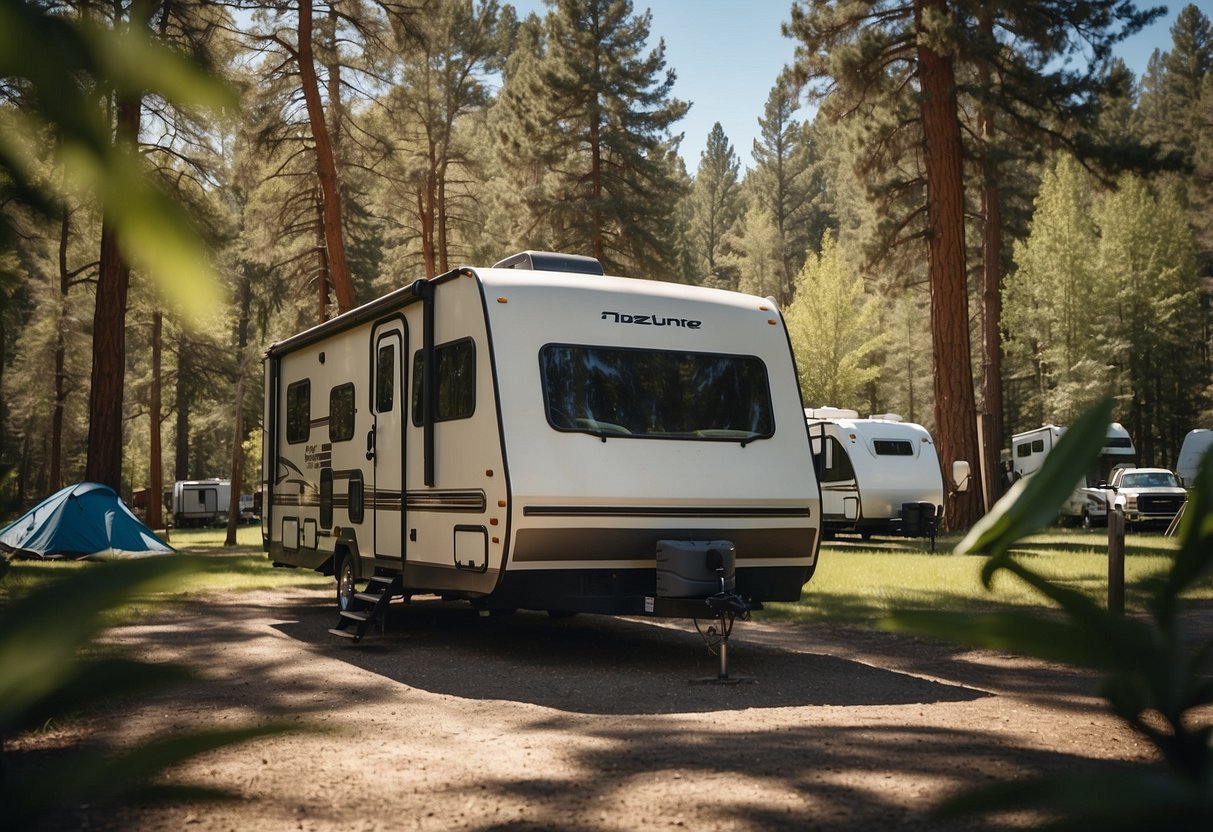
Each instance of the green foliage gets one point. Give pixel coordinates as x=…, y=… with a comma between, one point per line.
x=583, y=130
x=788, y=183
x=1056, y=334
x=716, y=207
x=1152, y=678
x=831, y=322
x=1133, y=251
x=43, y=676
x=49, y=56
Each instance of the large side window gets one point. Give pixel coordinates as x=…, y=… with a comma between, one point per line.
x=385, y=378
x=298, y=411
x=656, y=394
x=341, y=413
x=455, y=376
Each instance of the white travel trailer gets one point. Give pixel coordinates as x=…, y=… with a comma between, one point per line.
x=534, y=436
x=201, y=502
x=1088, y=503
x=878, y=475
x=1195, y=445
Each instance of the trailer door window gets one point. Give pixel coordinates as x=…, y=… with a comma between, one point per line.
x=455, y=377
x=832, y=461
x=298, y=411
x=385, y=379
x=656, y=394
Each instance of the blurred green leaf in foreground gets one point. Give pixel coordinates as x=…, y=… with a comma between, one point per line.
x=58, y=65
x=44, y=677
x=1152, y=679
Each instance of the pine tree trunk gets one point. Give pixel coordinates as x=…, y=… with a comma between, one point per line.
x=991, y=298
x=181, y=434
x=104, y=463
x=55, y=475
x=991, y=331
x=955, y=408
x=339, y=274
x=155, y=478
x=238, y=437
x=597, y=242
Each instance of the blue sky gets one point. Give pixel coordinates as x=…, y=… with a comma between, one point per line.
x=727, y=54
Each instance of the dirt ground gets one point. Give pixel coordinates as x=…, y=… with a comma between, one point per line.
x=451, y=721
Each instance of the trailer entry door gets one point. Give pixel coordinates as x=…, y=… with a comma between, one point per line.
x=387, y=446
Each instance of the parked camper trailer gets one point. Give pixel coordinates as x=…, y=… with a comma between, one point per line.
x=1088, y=503
x=201, y=502
x=878, y=475
x=1195, y=445
x=528, y=436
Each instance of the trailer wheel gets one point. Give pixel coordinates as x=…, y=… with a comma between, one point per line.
x=345, y=582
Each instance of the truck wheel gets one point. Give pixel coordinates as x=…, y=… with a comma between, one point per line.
x=345, y=582
x=1087, y=522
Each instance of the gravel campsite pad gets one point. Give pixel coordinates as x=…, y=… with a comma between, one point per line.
x=450, y=720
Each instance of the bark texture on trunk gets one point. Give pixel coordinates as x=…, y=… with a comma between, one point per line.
x=104, y=463
x=155, y=473
x=326, y=165
x=955, y=408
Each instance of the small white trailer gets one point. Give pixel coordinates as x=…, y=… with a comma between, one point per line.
x=1088, y=502
x=538, y=435
x=878, y=475
x=201, y=502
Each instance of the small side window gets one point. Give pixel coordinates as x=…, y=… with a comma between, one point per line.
x=298, y=411
x=356, y=504
x=892, y=447
x=341, y=413
x=1023, y=450
x=326, y=498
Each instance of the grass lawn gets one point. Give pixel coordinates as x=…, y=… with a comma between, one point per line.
x=861, y=582
x=856, y=581
x=218, y=568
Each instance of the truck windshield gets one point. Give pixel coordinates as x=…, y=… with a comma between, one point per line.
x=620, y=392
x=1151, y=479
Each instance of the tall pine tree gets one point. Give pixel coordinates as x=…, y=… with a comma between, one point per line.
x=592, y=116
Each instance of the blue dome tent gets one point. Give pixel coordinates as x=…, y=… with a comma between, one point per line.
x=81, y=521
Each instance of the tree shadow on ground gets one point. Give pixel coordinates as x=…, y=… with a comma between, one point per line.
x=603, y=665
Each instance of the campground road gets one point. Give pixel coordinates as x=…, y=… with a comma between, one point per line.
x=450, y=721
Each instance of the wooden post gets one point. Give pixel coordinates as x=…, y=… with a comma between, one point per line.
x=1116, y=559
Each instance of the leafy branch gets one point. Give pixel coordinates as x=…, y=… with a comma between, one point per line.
x=1152, y=679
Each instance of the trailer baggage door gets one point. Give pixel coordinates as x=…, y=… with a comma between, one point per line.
x=385, y=445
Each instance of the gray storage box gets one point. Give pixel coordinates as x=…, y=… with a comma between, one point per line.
x=687, y=568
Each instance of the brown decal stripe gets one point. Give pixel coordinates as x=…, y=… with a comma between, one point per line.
x=473, y=501
x=296, y=500
x=389, y=500
x=595, y=545
x=727, y=512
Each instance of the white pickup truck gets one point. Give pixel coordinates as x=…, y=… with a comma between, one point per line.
x=1148, y=495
